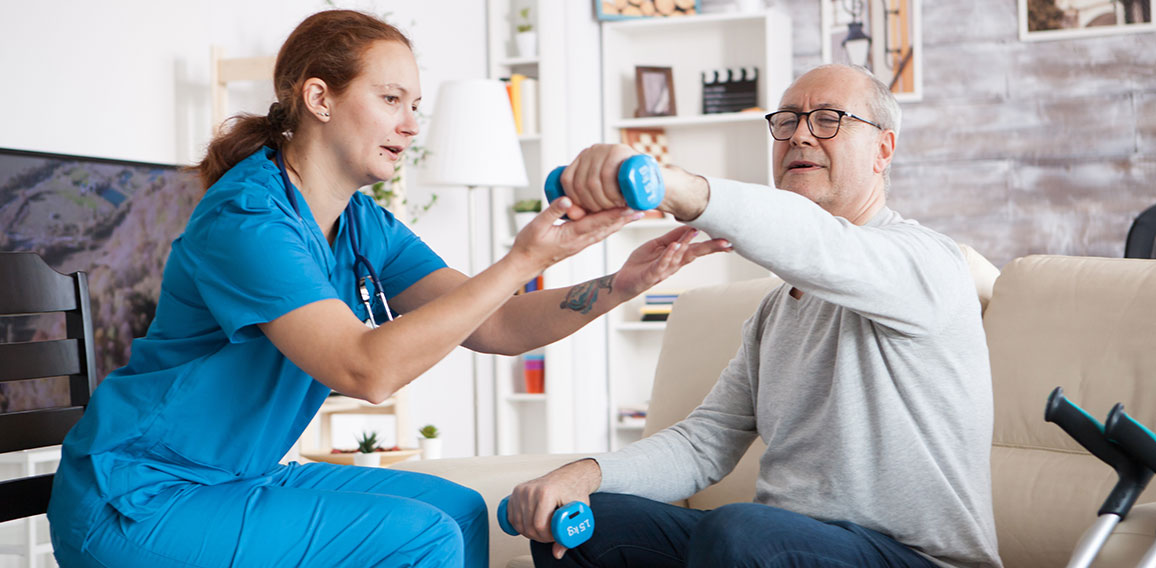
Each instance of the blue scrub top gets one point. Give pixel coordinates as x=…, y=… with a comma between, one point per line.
x=206, y=397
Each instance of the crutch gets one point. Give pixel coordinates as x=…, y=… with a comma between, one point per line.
x=1133, y=477
x=1136, y=439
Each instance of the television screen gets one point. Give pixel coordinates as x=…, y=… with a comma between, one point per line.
x=114, y=220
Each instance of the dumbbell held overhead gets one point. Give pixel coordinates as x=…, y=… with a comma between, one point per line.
x=571, y=524
x=639, y=179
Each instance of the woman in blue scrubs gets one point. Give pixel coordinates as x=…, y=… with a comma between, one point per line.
x=175, y=462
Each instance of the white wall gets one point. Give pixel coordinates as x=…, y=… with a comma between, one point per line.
x=129, y=79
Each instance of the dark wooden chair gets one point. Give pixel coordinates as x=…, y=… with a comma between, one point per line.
x=1141, y=242
x=28, y=286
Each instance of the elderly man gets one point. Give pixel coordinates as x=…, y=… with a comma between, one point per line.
x=866, y=373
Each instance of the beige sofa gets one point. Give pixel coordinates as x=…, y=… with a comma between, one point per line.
x=1086, y=324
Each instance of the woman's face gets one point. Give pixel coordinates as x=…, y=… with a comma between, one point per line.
x=375, y=119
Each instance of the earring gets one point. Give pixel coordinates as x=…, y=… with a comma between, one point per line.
x=325, y=114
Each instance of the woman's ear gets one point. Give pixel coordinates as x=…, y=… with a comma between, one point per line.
x=315, y=94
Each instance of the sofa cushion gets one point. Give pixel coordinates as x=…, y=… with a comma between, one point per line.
x=1084, y=324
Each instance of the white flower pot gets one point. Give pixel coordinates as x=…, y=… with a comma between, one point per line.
x=367, y=460
x=527, y=43
x=751, y=6
x=521, y=219
x=431, y=448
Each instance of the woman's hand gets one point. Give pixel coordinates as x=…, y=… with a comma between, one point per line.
x=545, y=243
x=658, y=259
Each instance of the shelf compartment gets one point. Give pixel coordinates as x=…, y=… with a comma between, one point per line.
x=690, y=120
x=640, y=326
x=526, y=397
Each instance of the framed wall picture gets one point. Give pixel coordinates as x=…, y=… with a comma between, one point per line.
x=655, y=89
x=1042, y=20
x=884, y=36
x=633, y=9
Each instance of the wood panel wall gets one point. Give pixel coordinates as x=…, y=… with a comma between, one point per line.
x=1020, y=147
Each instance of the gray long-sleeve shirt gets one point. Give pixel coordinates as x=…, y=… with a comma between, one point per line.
x=872, y=391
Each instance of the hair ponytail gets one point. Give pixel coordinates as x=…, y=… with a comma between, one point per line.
x=240, y=136
x=327, y=45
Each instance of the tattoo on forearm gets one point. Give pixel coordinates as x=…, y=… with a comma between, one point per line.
x=583, y=296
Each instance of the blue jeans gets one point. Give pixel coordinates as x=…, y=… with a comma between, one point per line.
x=303, y=515
x=633, y=531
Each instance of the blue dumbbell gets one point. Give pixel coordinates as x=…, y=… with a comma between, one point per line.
x=571, y=524
x=639, y=178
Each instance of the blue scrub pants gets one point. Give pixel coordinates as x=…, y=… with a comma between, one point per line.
x=633, y=531
x=303, y=515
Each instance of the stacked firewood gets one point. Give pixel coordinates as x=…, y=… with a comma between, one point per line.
x=648, y=7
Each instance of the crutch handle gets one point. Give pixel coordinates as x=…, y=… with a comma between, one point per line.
x=1132, y=436
x=1090, y=434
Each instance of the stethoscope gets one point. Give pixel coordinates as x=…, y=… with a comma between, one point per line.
x=354, y=244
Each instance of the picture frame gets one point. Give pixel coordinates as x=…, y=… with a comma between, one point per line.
x=655, y=90
x=894, y=32
x=610, y=10
x=1044, y=20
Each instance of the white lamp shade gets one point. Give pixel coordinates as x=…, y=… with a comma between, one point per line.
x=472, y=140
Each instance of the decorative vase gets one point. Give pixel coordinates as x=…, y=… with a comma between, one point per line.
x=431, y=448
x=372, y=459
x=527, y=43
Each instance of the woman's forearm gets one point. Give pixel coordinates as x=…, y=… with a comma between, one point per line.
x=529, y=321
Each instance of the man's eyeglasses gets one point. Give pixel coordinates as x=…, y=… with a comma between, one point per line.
x=823, y=122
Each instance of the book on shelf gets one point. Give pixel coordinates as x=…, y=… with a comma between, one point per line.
x=655, y=312
x=538, y=283
x=657, y=305
x=628, y=414
x=523, y=92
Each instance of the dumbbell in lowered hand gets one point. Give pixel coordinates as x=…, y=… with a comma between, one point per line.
x=571, y=525
x=639, y=178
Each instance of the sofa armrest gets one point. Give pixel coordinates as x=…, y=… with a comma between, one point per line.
x=494, y=477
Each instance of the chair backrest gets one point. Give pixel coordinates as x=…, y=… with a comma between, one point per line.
x=1141, y=242
x=1084, y=324
x=28, y=286
x=702, y=334
x=224, y=70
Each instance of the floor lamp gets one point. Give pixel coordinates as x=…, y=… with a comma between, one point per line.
x=472, y=143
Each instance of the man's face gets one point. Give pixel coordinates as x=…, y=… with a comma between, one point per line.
x=841, y=174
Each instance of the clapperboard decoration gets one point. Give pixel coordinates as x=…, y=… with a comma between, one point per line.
x=729, y=90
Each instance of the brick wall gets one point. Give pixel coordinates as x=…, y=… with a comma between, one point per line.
x=1020, y=147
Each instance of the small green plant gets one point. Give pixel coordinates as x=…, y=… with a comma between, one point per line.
x=367, y=443
x=429, y=431
x=527, y=206
x=524, y=25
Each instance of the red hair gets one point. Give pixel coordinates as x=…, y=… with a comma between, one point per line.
x=328, y=45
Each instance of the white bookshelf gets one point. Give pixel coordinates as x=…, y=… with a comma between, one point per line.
x=526, y=422
x=731, y=145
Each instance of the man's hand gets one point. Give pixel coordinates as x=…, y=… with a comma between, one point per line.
x=591, y=180
x=532, y=503
x=658, y=259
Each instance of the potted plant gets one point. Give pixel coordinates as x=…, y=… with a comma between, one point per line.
x=366, y=454
x=524, y=211
x=431, y=445
x=526, y=39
